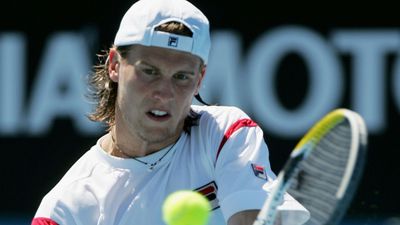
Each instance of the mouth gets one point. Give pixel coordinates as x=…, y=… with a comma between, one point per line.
x=158, y=115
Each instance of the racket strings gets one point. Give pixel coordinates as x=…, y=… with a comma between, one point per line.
x=320, y=175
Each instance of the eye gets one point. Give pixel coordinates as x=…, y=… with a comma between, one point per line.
x=150, y=71
x=181, y=76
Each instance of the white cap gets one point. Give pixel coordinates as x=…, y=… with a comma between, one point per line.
x=137, y=26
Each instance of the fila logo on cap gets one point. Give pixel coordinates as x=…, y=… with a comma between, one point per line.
x=173, y=41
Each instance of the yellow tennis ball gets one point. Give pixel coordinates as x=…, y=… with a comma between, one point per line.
x=186, y=207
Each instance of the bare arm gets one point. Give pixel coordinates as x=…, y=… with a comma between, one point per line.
x=247, y=218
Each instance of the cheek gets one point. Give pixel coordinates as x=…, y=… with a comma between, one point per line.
x=194, y=86
x=186, y=100
x=129, y=81
x=127, y=93
x=186, y=93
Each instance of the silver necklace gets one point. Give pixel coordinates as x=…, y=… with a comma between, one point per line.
x=150, y=165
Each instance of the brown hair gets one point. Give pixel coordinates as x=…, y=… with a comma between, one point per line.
x=103, y=91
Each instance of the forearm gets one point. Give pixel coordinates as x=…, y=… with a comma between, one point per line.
x=248, y=217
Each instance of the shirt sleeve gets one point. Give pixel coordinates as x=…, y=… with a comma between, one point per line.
x=52, y=212
x=43, y=221
x=242, y=168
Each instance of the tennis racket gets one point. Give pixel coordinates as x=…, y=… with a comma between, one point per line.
x=323, y=170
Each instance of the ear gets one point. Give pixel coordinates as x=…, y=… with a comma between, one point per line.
x=113, y=65
x=202, y=74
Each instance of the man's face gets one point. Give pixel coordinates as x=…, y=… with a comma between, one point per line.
x=155, y=90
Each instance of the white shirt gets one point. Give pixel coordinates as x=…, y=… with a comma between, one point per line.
x=224, y=157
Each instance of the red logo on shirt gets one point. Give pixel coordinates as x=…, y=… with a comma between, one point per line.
x=210, y=192
x=259, y=171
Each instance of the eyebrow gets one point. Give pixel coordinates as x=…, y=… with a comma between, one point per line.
x=141, y=62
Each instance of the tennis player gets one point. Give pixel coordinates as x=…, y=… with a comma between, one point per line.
x=157, y=142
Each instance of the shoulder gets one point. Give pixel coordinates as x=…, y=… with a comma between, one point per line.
x=222, y=117
x=220, y=121
x=62, y=196
x=220, y=114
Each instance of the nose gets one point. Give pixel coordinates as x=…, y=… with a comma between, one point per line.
x=163, y=90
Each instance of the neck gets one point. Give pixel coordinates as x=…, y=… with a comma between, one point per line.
x=116, y=151
x=118, y=144
x=118, y=147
